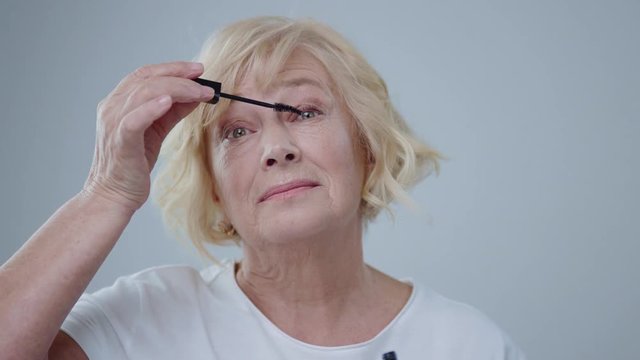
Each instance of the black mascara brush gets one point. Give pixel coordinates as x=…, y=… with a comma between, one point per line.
x=217, y=88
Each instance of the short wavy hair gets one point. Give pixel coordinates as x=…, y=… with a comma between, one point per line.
x=184, y=188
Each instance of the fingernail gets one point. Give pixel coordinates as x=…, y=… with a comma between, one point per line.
x=197, y=67
x=164, y=99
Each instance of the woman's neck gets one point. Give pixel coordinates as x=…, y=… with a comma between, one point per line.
x=319, y=290
x=305, y=271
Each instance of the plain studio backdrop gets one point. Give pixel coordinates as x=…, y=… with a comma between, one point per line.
x=533, y=220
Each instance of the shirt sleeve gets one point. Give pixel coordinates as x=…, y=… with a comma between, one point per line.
x=90, y=327
x=135, y=316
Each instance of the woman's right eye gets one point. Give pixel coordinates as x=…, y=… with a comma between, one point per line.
x=236, y=133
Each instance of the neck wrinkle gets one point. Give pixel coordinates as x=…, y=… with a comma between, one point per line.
x=322, y=271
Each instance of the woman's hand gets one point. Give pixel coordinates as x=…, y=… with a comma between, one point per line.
x=43, y=280
x=132, y=122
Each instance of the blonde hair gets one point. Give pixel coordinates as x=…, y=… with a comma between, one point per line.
x=184, y=189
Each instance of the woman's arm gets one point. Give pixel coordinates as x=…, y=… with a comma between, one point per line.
x=43, y=280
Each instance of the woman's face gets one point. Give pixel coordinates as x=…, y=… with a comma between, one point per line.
x=282, y=176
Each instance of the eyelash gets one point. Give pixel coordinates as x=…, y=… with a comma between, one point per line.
x=305, y=109
x=308, y=109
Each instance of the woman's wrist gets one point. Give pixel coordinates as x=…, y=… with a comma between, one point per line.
x=104, y=203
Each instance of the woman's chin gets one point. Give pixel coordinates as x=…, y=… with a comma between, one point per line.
x=304, y=218
x=296, y=226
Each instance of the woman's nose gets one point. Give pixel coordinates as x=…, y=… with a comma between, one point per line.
x=279, y=147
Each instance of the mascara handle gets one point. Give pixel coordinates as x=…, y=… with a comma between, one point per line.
x=216, y=86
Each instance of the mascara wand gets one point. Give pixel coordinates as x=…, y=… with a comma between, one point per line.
x=217, y=88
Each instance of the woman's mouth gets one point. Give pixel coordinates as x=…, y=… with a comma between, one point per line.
x=287, y=190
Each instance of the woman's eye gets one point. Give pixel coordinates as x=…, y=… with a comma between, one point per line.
x=308, y=114
x=236, y=133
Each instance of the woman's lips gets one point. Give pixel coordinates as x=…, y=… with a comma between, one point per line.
x=288, y=188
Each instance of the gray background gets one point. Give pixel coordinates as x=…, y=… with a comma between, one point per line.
x=534, y=218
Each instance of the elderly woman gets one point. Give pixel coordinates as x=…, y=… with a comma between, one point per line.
x=294, y=188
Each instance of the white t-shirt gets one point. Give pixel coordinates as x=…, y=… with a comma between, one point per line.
x=176, y=312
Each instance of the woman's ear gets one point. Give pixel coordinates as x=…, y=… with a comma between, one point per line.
x=214, y=196
x=371, y=163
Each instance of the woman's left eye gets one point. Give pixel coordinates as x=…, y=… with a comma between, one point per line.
x=309, y=113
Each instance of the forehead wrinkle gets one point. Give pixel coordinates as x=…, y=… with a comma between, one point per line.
x=297, y=68
x=292, y=83
x=302, y=81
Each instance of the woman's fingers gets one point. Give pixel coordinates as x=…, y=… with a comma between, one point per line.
x=122, y=162
x=150, y=81
x=181, y=91
x=135, y=123
x=175, y=68
x=183, y=69
x=132, y=123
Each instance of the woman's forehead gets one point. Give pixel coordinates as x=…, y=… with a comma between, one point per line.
x=300, y=69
